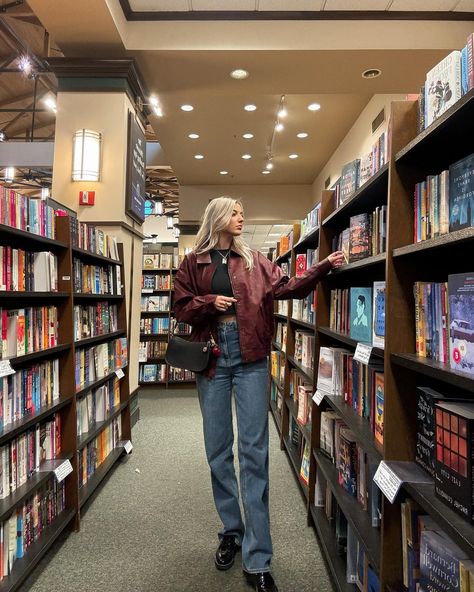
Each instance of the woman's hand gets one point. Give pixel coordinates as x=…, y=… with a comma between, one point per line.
x=222, y=303
x=336, y=259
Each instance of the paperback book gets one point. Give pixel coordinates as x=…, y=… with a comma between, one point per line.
x=361, y=314
x=443, y=86
x=461, y=194
x=461, y=328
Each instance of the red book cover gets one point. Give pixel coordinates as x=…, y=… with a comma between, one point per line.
x=300, y=264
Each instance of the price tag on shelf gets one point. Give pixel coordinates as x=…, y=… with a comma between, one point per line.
x=6, y=368
x=147, y=291
x=318, y=397
x=63, y=470
x=119, y=373
x=362, y=353
x=387, y=481
x=128, y=447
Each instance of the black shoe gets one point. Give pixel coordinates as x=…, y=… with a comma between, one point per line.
x=226, y=551
x=262, y=581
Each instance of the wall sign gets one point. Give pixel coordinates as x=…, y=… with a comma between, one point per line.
x=136, y=167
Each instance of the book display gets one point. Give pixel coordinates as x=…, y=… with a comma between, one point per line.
x=157, y=321
x=64, y=386
x=409, y=304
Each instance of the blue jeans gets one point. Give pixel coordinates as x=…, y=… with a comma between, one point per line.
x=250, y=385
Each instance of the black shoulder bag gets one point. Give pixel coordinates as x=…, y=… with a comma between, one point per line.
x=190, y=355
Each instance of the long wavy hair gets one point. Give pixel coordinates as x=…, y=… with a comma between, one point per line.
x=215, y=219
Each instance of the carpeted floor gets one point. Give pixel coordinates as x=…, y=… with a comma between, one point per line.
x=153, y=526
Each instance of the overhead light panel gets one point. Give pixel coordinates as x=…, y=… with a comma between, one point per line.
x=239, y=74
x=187, y=107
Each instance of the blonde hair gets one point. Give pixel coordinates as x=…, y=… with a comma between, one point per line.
x=215, y=219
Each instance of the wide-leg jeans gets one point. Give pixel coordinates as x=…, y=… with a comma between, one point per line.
x=249, y=382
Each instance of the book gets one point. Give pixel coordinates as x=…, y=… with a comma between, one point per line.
x=359, y=245
x=443, y=86
x=304, y=470
x=461, y=194
x=361, y=314
x=439, y=562
x=325, y=381
x=347, y=453
x=454, y=470
x=378, y=324
x=461, y=327
x=300, y=264
x=379, y=407
x=349, y=179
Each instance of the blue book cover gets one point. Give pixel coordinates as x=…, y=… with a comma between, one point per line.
x=361, y=314
x=461, y=194
x=464, y=71
x=373, y=583
x=439, y=563
x=461, y=317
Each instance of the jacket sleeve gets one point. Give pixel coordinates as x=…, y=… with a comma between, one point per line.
x=188, y=306
x=285, y=288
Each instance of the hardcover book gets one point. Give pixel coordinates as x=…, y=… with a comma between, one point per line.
x=361, y=314
x=461, y=326
x=439, y=563
x=359, y=246
x=461, y=194
x=378, y=325
x=379, y=406
x=348, y=461
x=325, y=370
x=300, y=264
x=349, y=179
x=443, y=86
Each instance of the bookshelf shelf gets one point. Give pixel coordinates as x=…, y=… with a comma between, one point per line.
x=358, y=425
x=376, y=351
x=304, y=429
x=101, y=472
x=99, y=338
x=370, y=195
x=33, y=295
x=295, y=463
x=147, y=292
x=93, y=385
x=303, y=324
x=434, y=369
x=276, y=415
x=14, y=429
x=167, y=270
x=94, y=257
x=24, y=566
x=304, y=370
x=153, y=361
x=276, y=346
x=284, y=256
x=152, y=382
x=84, y=439
x=29, y=240
x=308, y=240
x=83, y=296
x=357, y=265
x=39, y=355
x=353, y=511
x=458, y=238
x=280, y=316
x=154, y=336
x=277, y=384
x=327, y=540
x=153, y=313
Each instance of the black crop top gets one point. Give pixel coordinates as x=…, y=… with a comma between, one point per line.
x=221, y=285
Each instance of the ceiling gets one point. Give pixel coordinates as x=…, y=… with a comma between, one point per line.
x=263, y=236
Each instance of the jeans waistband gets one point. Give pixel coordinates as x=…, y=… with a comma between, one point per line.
x=225, y=326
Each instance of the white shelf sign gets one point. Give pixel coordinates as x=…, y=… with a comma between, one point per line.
x=128, y=447
x=6, y=368
x=119, y=373
x=362, y=353
x=387, y=481
x=63, y=470
x=147, y=291
x=318, y=397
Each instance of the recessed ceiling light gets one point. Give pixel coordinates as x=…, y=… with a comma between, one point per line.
x=246, y=156
x=250, y=107
x=265, y=172
x=302, y=135
x=187, y=107
x=193, y=136
x=314, y=107
x=239, y=74
x=223, y=172
x=198, y=156
x=371, y=73
x=293, y=156
x=279, y=127
x=247, y=136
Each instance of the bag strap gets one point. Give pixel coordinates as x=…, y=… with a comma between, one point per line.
x=175, y=327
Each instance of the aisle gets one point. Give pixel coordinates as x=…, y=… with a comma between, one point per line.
x=155, y=530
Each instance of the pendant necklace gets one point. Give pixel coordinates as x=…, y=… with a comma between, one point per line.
x=224, y=257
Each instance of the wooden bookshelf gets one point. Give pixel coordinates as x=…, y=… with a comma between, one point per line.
x=65, y=406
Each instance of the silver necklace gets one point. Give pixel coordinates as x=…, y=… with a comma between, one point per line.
x=224, y=257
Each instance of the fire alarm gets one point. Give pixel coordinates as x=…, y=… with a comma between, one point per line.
x=86, y=198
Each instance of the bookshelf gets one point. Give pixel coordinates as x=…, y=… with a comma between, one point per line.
x=48, y=410
x=154, y=355
x=412, y=158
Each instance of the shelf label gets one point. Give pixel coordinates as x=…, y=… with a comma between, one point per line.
x=147, y=291
x=66, y=278
x=362, y=353
x=119, y=373
x=128, y=447
x=6, y=368
x=142, y=358
x=318, y=397
x=64, y=469
x=387, y=481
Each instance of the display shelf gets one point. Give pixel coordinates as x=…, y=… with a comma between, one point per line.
x=14, y=429
x=369, y=196
x=95, y=430
x=306, y=372
x=28, y=240
x=357, y=265
x=327, y=540
x=93, y=385
x=24, y=566
x=307, y=241
x=359, y=519
x=304, y=429
x=276, y=415
x=303, y=324
x=101, y=472
x=337, y=336
x=83, y=296
x=99, y=338
x=359, y=425
x=38, y=355
x=459, y=238
x=85, y=254
x=434, y=369
x=295, y=463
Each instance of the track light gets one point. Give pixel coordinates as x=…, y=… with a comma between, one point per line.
x=25, y=65
x=279, y=127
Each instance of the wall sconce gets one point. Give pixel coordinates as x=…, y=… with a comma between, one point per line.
x=169, y=222
x=158, y=208
x=86, y=155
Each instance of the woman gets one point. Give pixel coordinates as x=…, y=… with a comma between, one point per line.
x=225, y=289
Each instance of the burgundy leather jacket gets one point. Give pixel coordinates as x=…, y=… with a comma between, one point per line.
x=254, y=290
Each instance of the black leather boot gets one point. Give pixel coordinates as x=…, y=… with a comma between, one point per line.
x=226, y=551
x=262, y=581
